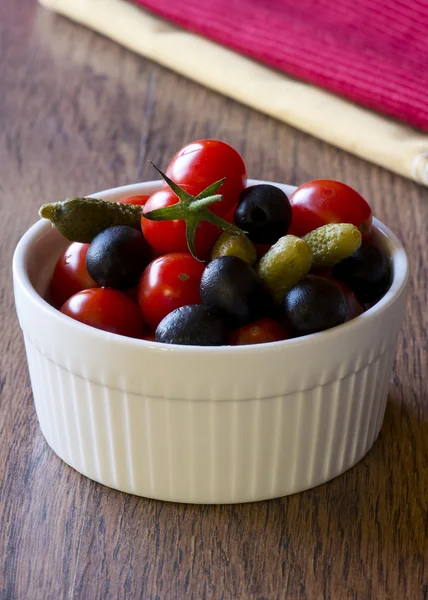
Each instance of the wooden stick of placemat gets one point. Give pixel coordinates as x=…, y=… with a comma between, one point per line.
x=360, y=131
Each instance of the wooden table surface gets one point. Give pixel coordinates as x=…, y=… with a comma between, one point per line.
x=78, y=114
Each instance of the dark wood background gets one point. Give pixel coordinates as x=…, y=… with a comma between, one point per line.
x=79, y=114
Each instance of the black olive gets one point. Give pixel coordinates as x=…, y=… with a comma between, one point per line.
x=313, y=305
x=264, y=212
x=231, y=285
x=117, y=256
x=194, y=325
x=367, y=272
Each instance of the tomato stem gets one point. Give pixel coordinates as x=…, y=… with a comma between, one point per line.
x=211, y=189
x=202, y=202
x=168, y=213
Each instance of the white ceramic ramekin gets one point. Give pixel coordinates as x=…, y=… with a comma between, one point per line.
x=205, y=425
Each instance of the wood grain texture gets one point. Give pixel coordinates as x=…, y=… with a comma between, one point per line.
x=79, y=114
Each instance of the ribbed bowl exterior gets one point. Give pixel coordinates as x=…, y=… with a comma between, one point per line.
x=212, y=451
x=205, y=425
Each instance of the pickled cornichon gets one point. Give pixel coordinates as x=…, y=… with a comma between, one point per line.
x=332, y=243
x=285, y=264
x=81, y=219
x=234, y=244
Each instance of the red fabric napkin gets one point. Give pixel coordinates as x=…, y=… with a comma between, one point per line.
x=374, y=52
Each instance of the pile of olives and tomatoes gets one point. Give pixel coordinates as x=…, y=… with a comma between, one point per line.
x=207, y=261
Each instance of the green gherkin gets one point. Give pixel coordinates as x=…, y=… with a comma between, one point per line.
x=332, y=243
x=81, y=219
x=285, y=264
x=234, y=244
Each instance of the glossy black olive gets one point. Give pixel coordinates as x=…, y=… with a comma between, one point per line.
x=312, y=305
x=231, y=285
x=194, y=325
x=117, y=256
x=264, y=212
x=367, y=272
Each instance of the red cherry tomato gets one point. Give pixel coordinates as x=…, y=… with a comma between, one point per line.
x=106, y=309
x=149, y=337
x=230, y=217
x=138, y=200
x=354, y=308
x=203, y=162
x=70, y=275
x=323, y=201
x=260, y=332
x=132, y=293
x=170, y=236
x=167, y=283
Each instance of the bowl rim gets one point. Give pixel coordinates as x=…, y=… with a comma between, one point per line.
x=41, y=227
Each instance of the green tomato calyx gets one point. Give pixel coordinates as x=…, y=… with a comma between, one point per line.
x=192, y=210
